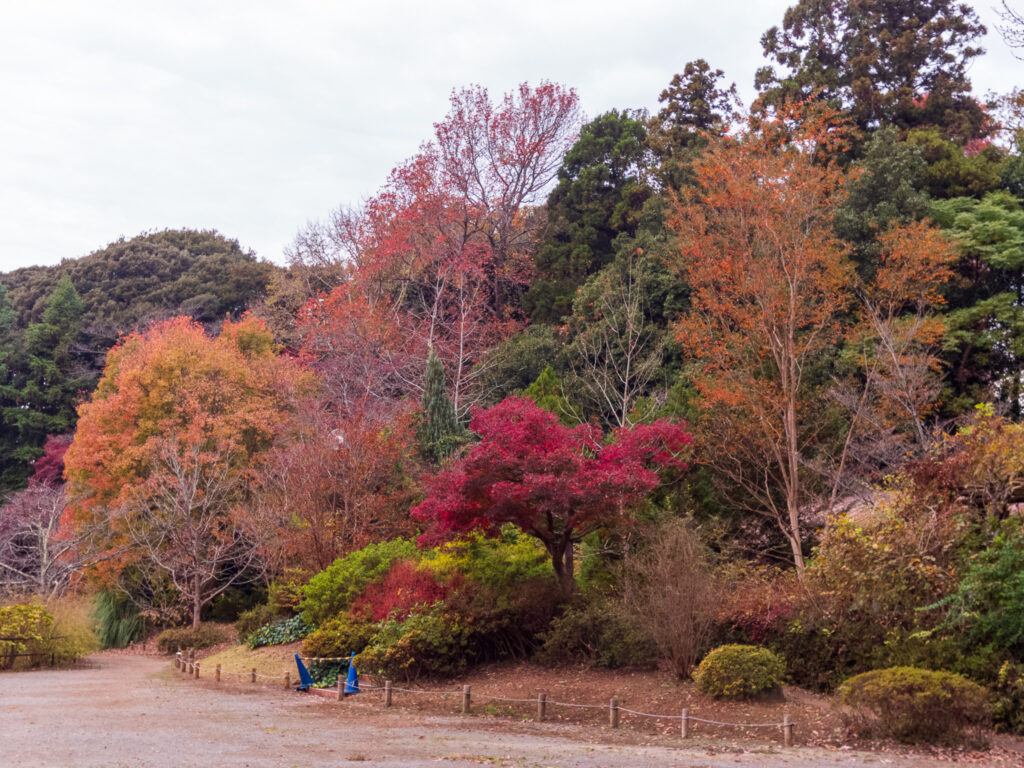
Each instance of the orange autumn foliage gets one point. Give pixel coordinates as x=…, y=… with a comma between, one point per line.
x=174, y=385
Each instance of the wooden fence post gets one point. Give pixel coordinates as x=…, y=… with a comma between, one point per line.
x=787, y=731
x=217, y=673
x=177, y=659
x=465, y=700
x=387, y=693
x=341, y=688
x=254, y=674
x=684, y=729
x=613, y=713
x=195, y=669
x=287, y=680
x=542, y=706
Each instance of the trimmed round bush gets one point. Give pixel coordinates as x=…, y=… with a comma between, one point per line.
x=916, y=705
x=739, y=672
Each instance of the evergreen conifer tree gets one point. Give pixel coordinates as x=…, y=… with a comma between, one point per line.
x=12, y=471
x=440, y=433
x=40, y=398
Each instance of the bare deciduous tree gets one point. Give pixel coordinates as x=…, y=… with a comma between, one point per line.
x=616, y=352
x=37, y=555
x=190, y=522
x=669, y=582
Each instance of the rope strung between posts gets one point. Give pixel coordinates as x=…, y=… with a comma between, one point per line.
x=549, y=702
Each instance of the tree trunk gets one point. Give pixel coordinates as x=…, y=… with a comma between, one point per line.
x=562, y=562
x=197, y=606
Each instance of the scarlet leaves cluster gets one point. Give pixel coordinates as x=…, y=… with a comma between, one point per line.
x=405, y=588
x=556, y=483
x=439, y=257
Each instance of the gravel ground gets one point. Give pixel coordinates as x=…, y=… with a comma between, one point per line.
x=135, y=711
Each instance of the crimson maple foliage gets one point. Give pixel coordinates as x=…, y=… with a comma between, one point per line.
x=556, y=483
x=405, y=588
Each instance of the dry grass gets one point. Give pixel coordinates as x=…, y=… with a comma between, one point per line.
x=238, y=661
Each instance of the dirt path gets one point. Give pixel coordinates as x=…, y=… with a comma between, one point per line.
x=135, y=711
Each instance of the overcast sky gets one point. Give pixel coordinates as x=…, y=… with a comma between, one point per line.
x=254, y=117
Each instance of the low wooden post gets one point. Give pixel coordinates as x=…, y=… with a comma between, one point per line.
x=684, y=728
x=177, y=659
x=195, y=669
x=787, y=731
x=254, y=674
x=216, y=673
x=542, y=706
x=287, y=680
x=613, y=713
x=387, y=693
x=341, y=688
x=465, y=700
x=188, y=668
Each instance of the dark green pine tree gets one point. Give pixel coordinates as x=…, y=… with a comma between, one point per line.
x=440, y=433
x=601, y=191
x=45, y=390
x=12, y=471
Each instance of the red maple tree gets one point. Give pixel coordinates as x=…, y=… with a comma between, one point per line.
x=556, y=483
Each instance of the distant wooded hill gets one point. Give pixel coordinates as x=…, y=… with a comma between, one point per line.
x=149, y=277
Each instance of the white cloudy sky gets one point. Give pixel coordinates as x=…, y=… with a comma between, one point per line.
x=253, y=117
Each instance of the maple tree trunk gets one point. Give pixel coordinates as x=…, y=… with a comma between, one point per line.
x=562, y=562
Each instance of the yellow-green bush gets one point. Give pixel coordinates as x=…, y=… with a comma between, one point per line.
x=739, y=672
x=73, y=632
x=915, y=705
x=26, y=627
x=339, y=636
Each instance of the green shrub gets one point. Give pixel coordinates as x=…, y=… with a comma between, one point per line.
x=203, y=636
x=916, y=705
x=988, y=605
x=596, y=632
x=332, y=590
x=739, y=672
x=119, y=623
x=339, y=636
x=279, y=633
x=253, y=619
x=285, y=593
x=1008, y=704
x=432, y=644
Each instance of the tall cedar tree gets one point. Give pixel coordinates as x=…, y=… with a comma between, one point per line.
x=440, y=433
x=601, y=189
x=902, y=62
x=556, y=483
x=12, y=471
x=41, y=396
x=696, y=107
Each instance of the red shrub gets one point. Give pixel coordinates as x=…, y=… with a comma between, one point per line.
x=403, y=589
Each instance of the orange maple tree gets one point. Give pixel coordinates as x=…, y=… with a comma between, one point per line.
x=166, y=450
x=774, y=295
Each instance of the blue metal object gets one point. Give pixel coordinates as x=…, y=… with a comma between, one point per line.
x=352, y=683
x=306, y=679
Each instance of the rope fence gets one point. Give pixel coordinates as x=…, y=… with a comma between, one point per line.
x=185, y=662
